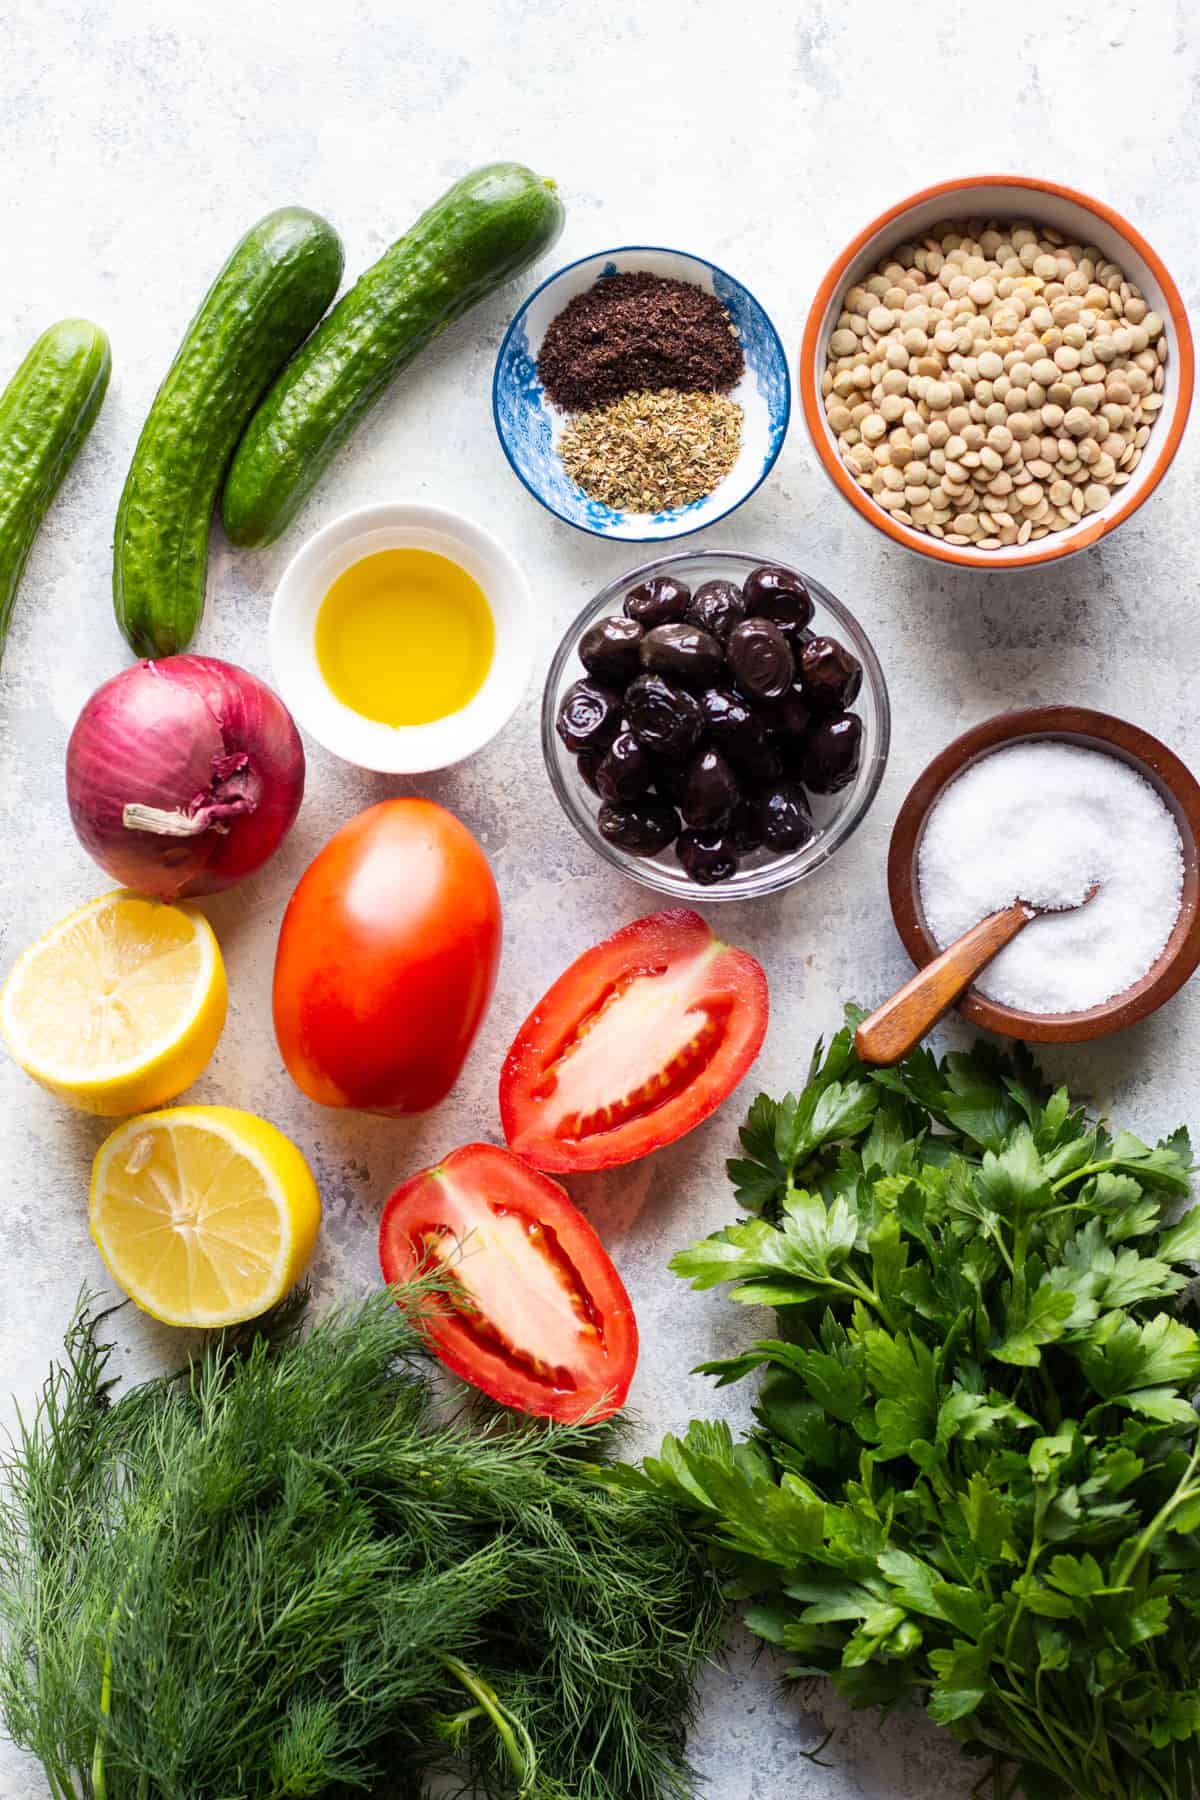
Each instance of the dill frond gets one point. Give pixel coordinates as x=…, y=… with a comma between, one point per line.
x=283, y=1572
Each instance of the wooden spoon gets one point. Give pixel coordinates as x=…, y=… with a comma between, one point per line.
x=894, y=1028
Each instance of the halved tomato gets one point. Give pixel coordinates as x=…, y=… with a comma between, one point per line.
x=537, y=1315
x=640, y=1039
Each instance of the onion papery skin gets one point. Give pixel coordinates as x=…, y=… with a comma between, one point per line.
x=196, y=739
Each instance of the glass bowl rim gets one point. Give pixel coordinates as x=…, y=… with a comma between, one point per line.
x=786, y=870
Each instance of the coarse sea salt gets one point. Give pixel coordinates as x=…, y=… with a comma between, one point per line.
x=1041, y=822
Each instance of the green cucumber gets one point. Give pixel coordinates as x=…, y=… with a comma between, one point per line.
x=488, y=227
x=262, y=305
x=46, y=411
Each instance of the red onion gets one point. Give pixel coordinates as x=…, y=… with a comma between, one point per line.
x=183, y=775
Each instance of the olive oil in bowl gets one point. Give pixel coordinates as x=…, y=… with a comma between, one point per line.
x=405, y=637
x=402, y=637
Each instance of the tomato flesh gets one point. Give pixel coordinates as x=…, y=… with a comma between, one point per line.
x=635, y=1044
x=535, y=1314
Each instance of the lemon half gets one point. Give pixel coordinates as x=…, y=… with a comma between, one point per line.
x=120, y=1006
x=205, y=1215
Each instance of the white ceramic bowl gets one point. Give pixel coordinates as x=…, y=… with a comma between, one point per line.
x=1082, y=220
x=528, y=425
x=400, y=749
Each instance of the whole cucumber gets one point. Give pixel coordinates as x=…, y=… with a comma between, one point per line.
x=264, y=303
x=489, y=226
x=46, y=411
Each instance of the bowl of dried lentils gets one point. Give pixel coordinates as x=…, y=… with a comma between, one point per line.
x=641, y=393
x=997, y=372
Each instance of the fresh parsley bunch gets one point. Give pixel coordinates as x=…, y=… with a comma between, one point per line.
x=975, y=1482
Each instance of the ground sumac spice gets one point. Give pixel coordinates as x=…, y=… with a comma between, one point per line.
x=637, y=331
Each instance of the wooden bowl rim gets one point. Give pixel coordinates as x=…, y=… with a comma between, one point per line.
x=1167, y=774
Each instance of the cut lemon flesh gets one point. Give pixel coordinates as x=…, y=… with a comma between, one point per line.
x=205, y=1215
x=119, y=1007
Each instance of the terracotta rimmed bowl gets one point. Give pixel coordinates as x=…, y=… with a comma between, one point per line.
x=1171, y=780
x=1081, y=219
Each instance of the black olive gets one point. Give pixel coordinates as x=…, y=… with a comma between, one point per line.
x=760, y=659
x=710, y=791
x=743, y=830
x=717, y=607
x=830, y=674
x=662, y=717
x=588, y=763
x=779, y=595
x=660, y=601
x=646, y=827
x=790, y=716
x=783, y=816
x=730, y=723
x=759, y=768
x=626, y=769
x=670, y=778
x=589, y=716
x=832, y=753
x=797, y=636
x=609, y=650
x=707, y=856
x=682, y=653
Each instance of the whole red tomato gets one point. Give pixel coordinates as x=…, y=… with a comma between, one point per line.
x=387, y=958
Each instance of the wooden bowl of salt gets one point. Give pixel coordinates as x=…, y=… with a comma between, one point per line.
x=1170, y=779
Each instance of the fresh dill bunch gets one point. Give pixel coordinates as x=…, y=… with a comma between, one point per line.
x=286, y=1572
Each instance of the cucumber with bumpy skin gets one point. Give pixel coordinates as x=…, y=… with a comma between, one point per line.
x=262, y=305
x=488, y=227
x=46, y=412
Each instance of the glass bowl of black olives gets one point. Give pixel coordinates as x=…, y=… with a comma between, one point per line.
x=715, y=721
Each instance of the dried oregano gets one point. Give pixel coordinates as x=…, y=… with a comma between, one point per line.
x=652, y=450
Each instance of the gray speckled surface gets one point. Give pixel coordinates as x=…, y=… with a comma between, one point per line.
x=140, y=140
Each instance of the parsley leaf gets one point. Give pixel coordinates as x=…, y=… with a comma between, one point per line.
x=976, y=1465
x=1039, y=1322
x=1122, y=1354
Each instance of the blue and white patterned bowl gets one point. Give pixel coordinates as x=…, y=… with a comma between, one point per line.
x=529, y=426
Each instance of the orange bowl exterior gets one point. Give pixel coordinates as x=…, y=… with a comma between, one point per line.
x=1044, y=551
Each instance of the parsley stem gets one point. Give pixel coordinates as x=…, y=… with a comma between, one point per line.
x=1131, y=1556
x=1054, y=1745
x=1086, y=1169
x=858, y=1290
x=872, y=1299
x=1035, y=1737
x=1119, y=1789
x=1035, y=1550
x=997, y=1238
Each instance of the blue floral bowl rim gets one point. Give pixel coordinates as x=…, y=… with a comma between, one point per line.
x=638, y=250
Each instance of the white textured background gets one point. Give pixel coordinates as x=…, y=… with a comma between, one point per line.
x=140, y=140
